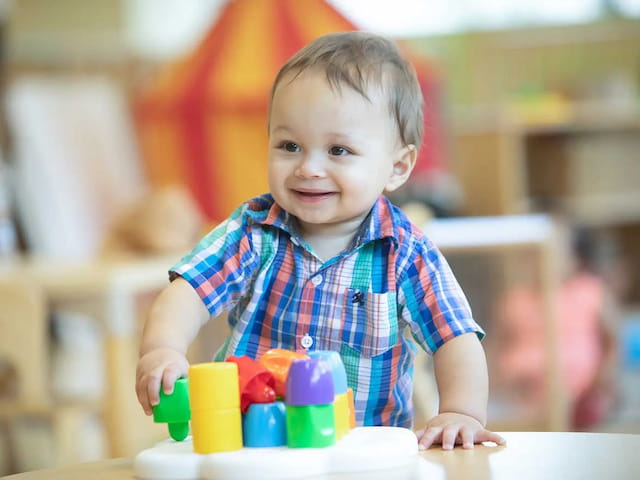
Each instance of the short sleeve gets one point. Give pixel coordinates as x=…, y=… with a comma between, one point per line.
x=431, y=300
x=221, y=266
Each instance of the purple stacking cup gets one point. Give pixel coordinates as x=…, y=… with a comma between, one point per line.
x=309, y=383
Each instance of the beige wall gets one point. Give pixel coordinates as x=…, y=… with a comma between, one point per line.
x=484, y=67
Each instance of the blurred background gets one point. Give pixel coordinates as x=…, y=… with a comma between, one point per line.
x=130, y=127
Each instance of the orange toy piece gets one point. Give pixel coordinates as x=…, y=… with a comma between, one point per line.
x=352, y=408
x=255, y=381
x=278, y=361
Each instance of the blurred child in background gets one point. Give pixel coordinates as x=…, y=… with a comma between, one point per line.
x=586, y=310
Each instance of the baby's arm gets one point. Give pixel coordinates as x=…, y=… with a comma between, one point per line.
x=173, y=323
x=461, y=374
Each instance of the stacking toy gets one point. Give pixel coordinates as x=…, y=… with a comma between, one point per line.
x=174, y=410
x=352, y=408
x=278, y=361
x=264, y=425
x=310, y=411
x=216, y=422
x=256, y=382
x=341, y=401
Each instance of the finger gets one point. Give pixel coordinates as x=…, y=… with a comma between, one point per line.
x=488, y=436
x=429, y=437
x=169, y=377
x=449, y=435
x=141, y=392
x=153, y=387
x=466, y=437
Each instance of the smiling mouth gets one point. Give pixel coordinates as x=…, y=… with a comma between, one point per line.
x=312, y=196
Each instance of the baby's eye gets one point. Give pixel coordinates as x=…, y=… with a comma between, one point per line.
x=290, y=147
x=337, y=151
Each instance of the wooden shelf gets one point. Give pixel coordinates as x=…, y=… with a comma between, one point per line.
x=587, y=162
x=590, y=161
x=582, y=117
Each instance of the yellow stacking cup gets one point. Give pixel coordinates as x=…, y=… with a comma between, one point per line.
x=216, y=430
x=341, y=409
x=214, y=395
x=214, y=386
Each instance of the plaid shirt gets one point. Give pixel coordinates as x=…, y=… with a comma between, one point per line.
x=391, y=284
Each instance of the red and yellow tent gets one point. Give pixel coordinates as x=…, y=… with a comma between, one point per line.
x=202, y=123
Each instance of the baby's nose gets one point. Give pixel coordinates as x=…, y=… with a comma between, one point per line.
x=311, y=166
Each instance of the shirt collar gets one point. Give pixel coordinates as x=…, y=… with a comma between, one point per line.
x=264, y=210
x=379, y=224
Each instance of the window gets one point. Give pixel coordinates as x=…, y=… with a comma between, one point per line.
x=405, y=18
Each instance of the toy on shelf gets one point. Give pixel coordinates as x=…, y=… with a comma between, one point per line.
x=233, y=404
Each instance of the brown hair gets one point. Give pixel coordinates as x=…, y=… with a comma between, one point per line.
x=359, y=60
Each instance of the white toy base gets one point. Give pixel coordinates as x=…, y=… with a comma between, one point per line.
x=370, y=451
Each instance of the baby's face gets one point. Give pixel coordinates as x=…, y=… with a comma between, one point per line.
x=331, y=153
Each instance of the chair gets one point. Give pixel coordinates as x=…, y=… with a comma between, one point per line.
x=23, y=349
x=26, y=394
x=23, y=357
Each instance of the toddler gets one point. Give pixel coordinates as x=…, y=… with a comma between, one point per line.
x=325, y=261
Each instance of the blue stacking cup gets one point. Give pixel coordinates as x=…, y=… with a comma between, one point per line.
x=336, y=367
x=264, y=425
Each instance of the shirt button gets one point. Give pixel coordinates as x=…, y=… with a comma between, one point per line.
x=306, y=341
x=317, y=280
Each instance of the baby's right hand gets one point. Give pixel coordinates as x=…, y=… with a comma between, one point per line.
x=159, y=366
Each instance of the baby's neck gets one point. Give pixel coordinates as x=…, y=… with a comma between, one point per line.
x=329, y=241
x=327, y=247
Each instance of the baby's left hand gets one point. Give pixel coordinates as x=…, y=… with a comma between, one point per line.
x=450, y=429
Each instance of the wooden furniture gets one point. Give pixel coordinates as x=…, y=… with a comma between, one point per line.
x=23, y=361
x=106, y=290
x=542, y=455
x=25, y=390
x=23, y=346
x=527, y=455
x=585, y=161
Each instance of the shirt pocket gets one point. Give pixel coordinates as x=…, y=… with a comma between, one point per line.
x=370, y=321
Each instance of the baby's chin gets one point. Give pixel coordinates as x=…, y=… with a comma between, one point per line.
x=340, y=225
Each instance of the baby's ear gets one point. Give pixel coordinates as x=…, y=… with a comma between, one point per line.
x=403, y=164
